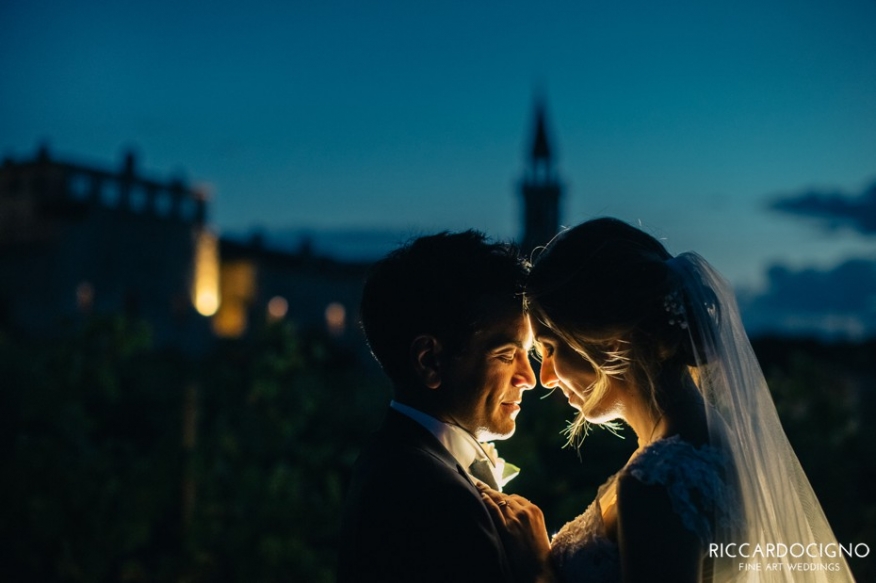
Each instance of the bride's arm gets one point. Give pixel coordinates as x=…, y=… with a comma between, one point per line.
x=521, y=524
x=654, y=543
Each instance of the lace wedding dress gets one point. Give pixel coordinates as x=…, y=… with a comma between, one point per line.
x=582, y=550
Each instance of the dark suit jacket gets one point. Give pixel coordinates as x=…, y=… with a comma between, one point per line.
x=413, y=515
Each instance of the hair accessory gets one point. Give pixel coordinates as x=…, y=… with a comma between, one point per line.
x=674, y=305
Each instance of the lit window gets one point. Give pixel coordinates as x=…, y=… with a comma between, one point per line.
x=335, y=318
x=277, y=308
x=237, y=289
x=205, y=292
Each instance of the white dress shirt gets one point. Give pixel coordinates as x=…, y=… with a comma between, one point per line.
x=460, y=443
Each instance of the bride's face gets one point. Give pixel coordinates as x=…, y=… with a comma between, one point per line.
x=565, y=369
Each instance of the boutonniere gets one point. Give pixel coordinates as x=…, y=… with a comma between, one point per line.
x=503, y=471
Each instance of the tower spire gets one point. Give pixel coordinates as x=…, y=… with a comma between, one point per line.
x=541, y=149
x=540, y=187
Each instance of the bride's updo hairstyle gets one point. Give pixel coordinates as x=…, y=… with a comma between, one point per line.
x=608, y=290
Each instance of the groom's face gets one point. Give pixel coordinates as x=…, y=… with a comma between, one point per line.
x=485, y=383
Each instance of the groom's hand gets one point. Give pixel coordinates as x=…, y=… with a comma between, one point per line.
x=521, y=524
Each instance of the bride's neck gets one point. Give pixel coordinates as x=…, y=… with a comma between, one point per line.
x=679, y=410
x=644, y=419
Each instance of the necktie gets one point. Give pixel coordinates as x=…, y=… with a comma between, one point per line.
x=483, y=471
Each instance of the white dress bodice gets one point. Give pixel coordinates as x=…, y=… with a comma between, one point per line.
x=693, y=477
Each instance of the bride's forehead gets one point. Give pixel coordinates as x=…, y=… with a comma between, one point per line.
x=539, y=329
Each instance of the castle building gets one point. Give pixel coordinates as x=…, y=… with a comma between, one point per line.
x=77, y=240
x=259, y=284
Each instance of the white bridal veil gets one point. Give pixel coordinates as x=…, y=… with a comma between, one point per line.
x=780, y=525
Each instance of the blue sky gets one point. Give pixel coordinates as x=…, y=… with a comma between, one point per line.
x=689, y=117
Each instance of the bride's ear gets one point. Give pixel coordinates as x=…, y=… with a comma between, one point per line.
x=425, y=356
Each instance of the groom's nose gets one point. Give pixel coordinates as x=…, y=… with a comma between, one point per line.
x=524, y=376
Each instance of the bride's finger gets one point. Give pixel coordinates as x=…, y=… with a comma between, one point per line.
x=485, y=489
x=494, y=507
x=519, y=500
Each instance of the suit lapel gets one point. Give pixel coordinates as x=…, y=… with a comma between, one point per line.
x=401, y=429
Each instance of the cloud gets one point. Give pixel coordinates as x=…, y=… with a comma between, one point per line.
x=834, y=209
x=835, y=303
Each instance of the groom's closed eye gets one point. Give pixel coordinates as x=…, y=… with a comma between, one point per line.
x=507, y=354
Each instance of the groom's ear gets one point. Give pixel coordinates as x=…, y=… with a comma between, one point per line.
x=425, y=357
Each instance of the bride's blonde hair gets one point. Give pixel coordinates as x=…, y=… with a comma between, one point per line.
x=602, y=288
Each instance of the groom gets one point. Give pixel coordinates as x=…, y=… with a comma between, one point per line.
x=444, y=318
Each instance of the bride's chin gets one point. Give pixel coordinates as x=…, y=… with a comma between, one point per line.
x=575, y=402
x=600, y=417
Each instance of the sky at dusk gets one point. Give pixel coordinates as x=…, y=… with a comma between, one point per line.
x=690, y=117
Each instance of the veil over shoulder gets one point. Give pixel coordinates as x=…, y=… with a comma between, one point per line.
x=779, y=518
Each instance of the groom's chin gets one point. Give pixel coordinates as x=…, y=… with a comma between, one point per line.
x=498, y=433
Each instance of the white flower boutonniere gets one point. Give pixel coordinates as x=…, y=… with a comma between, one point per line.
x=503, y=471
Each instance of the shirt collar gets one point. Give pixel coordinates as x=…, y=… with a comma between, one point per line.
x=460, y=443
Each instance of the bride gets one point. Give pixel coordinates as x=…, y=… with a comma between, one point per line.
x=628, y=332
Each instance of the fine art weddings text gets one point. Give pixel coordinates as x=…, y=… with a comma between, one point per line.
x=788, y=557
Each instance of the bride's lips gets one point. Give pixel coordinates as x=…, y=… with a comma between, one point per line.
x=573, y=398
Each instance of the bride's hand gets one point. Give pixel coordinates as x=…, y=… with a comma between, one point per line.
x=521, y=524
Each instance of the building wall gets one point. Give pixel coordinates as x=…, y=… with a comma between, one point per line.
x=76, y=241
x=318, y=294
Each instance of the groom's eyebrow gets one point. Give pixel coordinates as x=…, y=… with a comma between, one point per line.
x=504, y=340
x=502, y=343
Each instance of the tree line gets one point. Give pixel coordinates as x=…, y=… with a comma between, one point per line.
x=127, y=462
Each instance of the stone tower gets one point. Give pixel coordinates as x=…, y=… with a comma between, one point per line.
x=540, y=188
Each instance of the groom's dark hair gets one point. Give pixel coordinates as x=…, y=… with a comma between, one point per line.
x=446, y=285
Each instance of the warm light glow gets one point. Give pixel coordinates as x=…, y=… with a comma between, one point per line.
x=277, y=308
x=205, y=291
x=237, y=285
x=335, y=318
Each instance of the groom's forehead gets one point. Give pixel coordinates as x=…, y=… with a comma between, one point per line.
x=504, y=329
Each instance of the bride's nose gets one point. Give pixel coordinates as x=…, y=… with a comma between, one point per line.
x=548, y=375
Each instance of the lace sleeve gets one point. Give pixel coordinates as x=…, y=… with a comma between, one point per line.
x=693, y=478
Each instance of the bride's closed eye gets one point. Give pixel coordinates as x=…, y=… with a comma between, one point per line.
x=542, y=349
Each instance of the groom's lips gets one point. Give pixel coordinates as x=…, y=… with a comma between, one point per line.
x=512, y=405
